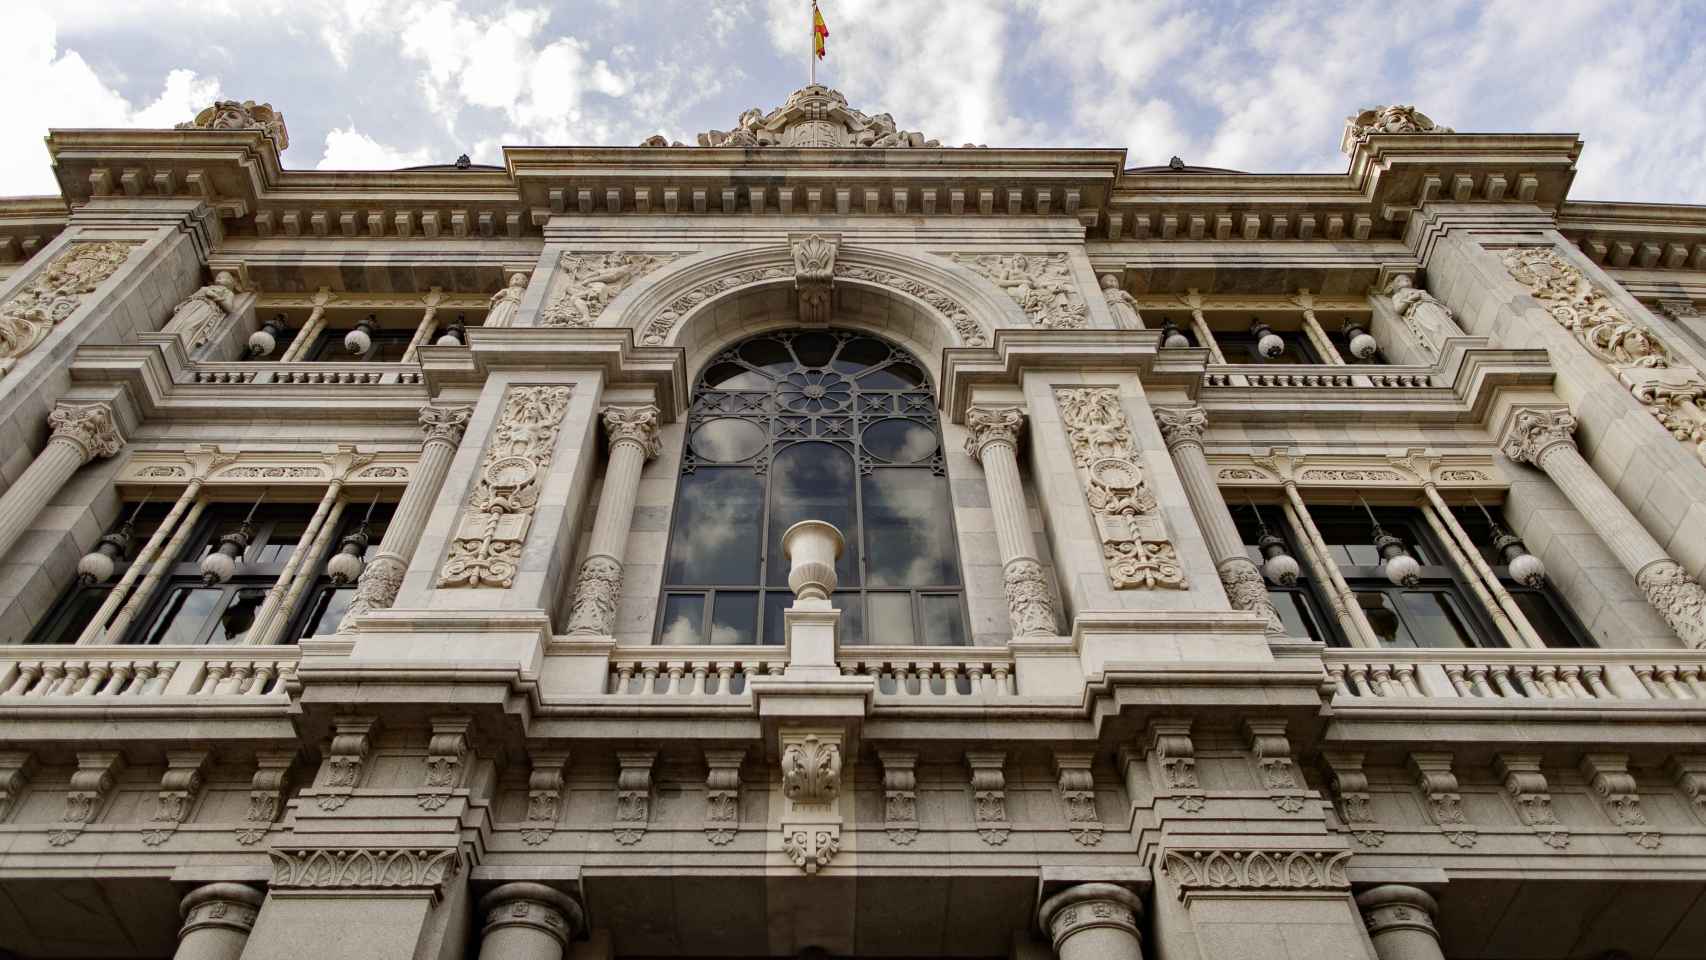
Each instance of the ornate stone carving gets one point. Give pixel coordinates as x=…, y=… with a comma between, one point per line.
x=970, y=332
x=657, y=330
x=179, y=787
x=1387, y=119
x=632, y=424
x=1246, y=590
x=989, y=795
x=900, y=795
x=1173, y=758
x=446, y=764
x=1077, y=784
x=1608, y=774
x=532, y=906
x=987, y=425
x=1678, y=597
x=591, y=281
x=811, y=847
x=96, y=773
x=220, y=906
x=364, y=868
x=1136, y=550
x=1122, y=306
x=198, y=315
x=245, y=115
x=486, y=548
x=1223, y=869
x=444, y=424
x=811, y=770
x=811, y=789
x=1395, y=909
x=1688, y=772
x=1277, y=773
x=1041, y=284
x=504, y=304
x=53, y=294
x=266, y=794
x=598, y=588
x=814, y=275
x=1533, y=431
x=1349, y=785
x=722, y=795
x=633, y=795
x=545, y=787
x=1030, y=606
x=16, y=769
x=1444, y=804
x=1089, y=906
x=1428, y=320
x=346, y=761
x=1181, y=424
x=89, y=427
x=1528, y=790
x=376, y=589
x=813, y=116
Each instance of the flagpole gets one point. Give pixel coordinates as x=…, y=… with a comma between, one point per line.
x=811, y=49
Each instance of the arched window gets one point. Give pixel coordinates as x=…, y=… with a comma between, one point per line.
x=820, y=425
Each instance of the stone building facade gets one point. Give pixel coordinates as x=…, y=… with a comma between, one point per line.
x=821, y=540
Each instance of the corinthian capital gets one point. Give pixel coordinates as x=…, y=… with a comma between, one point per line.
x=1181, y=424
x=445, y=423
x=634, y=424
x=90, y=427
x=1533, y=431
x=987, y=425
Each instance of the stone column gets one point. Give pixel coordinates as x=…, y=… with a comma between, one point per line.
x=217, y=921
x=1093, y=921
x=633, y=437
x=377, y=588
x=1400, y=921
x=993, y=441
x=1182, y=428
x=1543, y=437
x=310, y=329
x=527, y=921
x=80, y=434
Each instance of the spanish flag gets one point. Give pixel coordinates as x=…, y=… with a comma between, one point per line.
x=820, y=32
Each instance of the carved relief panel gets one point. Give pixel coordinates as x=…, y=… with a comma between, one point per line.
x=1136, y=549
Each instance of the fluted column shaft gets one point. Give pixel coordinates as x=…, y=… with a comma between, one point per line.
x=1400, y=922
x=1182, y=428
x=527, y=921
x=217, y=921
x=1093, y=921
x=377, y=588
x=1545, y=438
x=633, y=441
x=80, y=434
x=993, y=441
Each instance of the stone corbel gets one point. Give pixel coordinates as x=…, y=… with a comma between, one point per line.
x=1608, y=774
x=722, y=795
x=1688, y=772
x=1528, y=790
x=989, y=795
x=266, y=794
x=1077, y=784
x=1349, y=784
x=811, y=794
x=16, y=769
x=446, y=761
x=1274, y=767
x=346, y=761
x=1444, y=804
x=179, y=787
x=545, y=786
x=633, y=795
x=1173, y=765
x=97, y=771
x=900, y=795
x=814, y=274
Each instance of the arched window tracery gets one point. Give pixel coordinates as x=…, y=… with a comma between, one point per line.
x=815, y=425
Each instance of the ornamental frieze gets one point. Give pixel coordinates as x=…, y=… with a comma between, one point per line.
x=1411, y=470
x=1040, y=283
x=55, y=293
x=1136, y=549
x=1256, y=869
x=591, y=281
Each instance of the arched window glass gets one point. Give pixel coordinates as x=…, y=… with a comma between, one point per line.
x=821, y=425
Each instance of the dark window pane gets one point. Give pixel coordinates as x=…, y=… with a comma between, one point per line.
x=811, y=481
x=233, y=625
x=891, y=619
x=716, y=527
x=900, y=441
x=860, y=352
x=852, y=607
x=768, y=355
x=1545, y=618
x=329, y=608
x=185, y=614
x=1295, y=613
x=895, y=376
x=728, y=440
x=280, y=543
x=943, y=625
x=683, y=622
x=814, y=349
x=735, y=618
x=909, y=538
x=733, y=376
x=1434, y=620
x=775, y=601
x=76, y=612
x=1383, y=617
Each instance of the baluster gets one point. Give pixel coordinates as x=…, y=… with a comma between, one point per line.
x=1358, y=673
x=98, y=673
x=776, y=667
x=673, y=686
x=1501, y=677
x=1572, y=678
x=926, y=680
x=701, y=670
x=1381, y=676
x=951, y=680
x=241, y=676
x=1594, y=674
x=1667, y=676
x=1645, y=673
x=50, y=677
x=725, y=679
x=748, y=671
x=1455, y=675
x=1406, y=674
x=144, y=674
x=1004, y=681
x=264, y=674
x=29, y=672
x=123, y=671
x=648, y=678
x=1548, y=679
x=211, y=677
x=1525, y=683
x=624, y=676
x=974, y=676
x=1691, y=678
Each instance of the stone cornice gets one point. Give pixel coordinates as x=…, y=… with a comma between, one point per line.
x=1016, y=351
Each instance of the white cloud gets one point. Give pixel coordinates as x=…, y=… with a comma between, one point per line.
x=349, y=149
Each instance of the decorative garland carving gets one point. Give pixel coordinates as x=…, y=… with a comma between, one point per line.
x=363, y=868
x=989, y=795
x=1608, y=775
x=179, y=787
x=545, y=786
x=1041, y=284
x=266, y=794
x=1077, y=784
x=97, y=772
x=1214, y=869
x=722, y=795
x=1444, y=804
x=592, y=281
x=1527, y=788
x=486, y=549
x=900, y=795
x=633, y=795
x=1136, y=550
x=55, y=293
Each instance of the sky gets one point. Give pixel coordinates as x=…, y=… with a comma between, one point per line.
x=378, y=84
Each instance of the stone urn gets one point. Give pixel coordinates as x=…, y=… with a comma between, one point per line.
x=812, y=547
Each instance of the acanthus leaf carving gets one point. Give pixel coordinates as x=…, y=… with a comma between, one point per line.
x=1041, y=284
x=54, y=293
x=811, y=791
x=17, y=767
x=722, y=795
x=1235, y=869
x=633, y=795
x=91, y=784
x=91, y=427
x=364, y=868
x=1077, y=786
x=446, y=761
x=597, y=590
x=266, y=794
x=814, y=275
x=1444, y=804
x=1030, y=605
x=1172, y=756
x=179, y=787
x=1349, y=786
x=811, y=770
x=812, y=116
x=346, y=761
x=989, y=795
x=1614, y=786
x=1678, y=597
x=1278, y=774
x=591, y=281
x=900, y=795
x=971, y=333
x=1136, y=549
x=545, y=787
x=657, y=330
x=1528, y=790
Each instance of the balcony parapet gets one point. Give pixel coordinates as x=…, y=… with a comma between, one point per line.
x=724, y=673
x=307, y=372
x=1519, y=678
x=139, y=675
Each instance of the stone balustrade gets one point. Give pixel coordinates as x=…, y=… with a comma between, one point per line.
x=1518, y=675
x=1261, y=375
x=693, y=671
x=901, y=672
x=64, y=673
x=306, y=372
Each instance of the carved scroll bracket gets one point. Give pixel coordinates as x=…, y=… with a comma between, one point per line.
x=811, y=792
x=814, y=274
